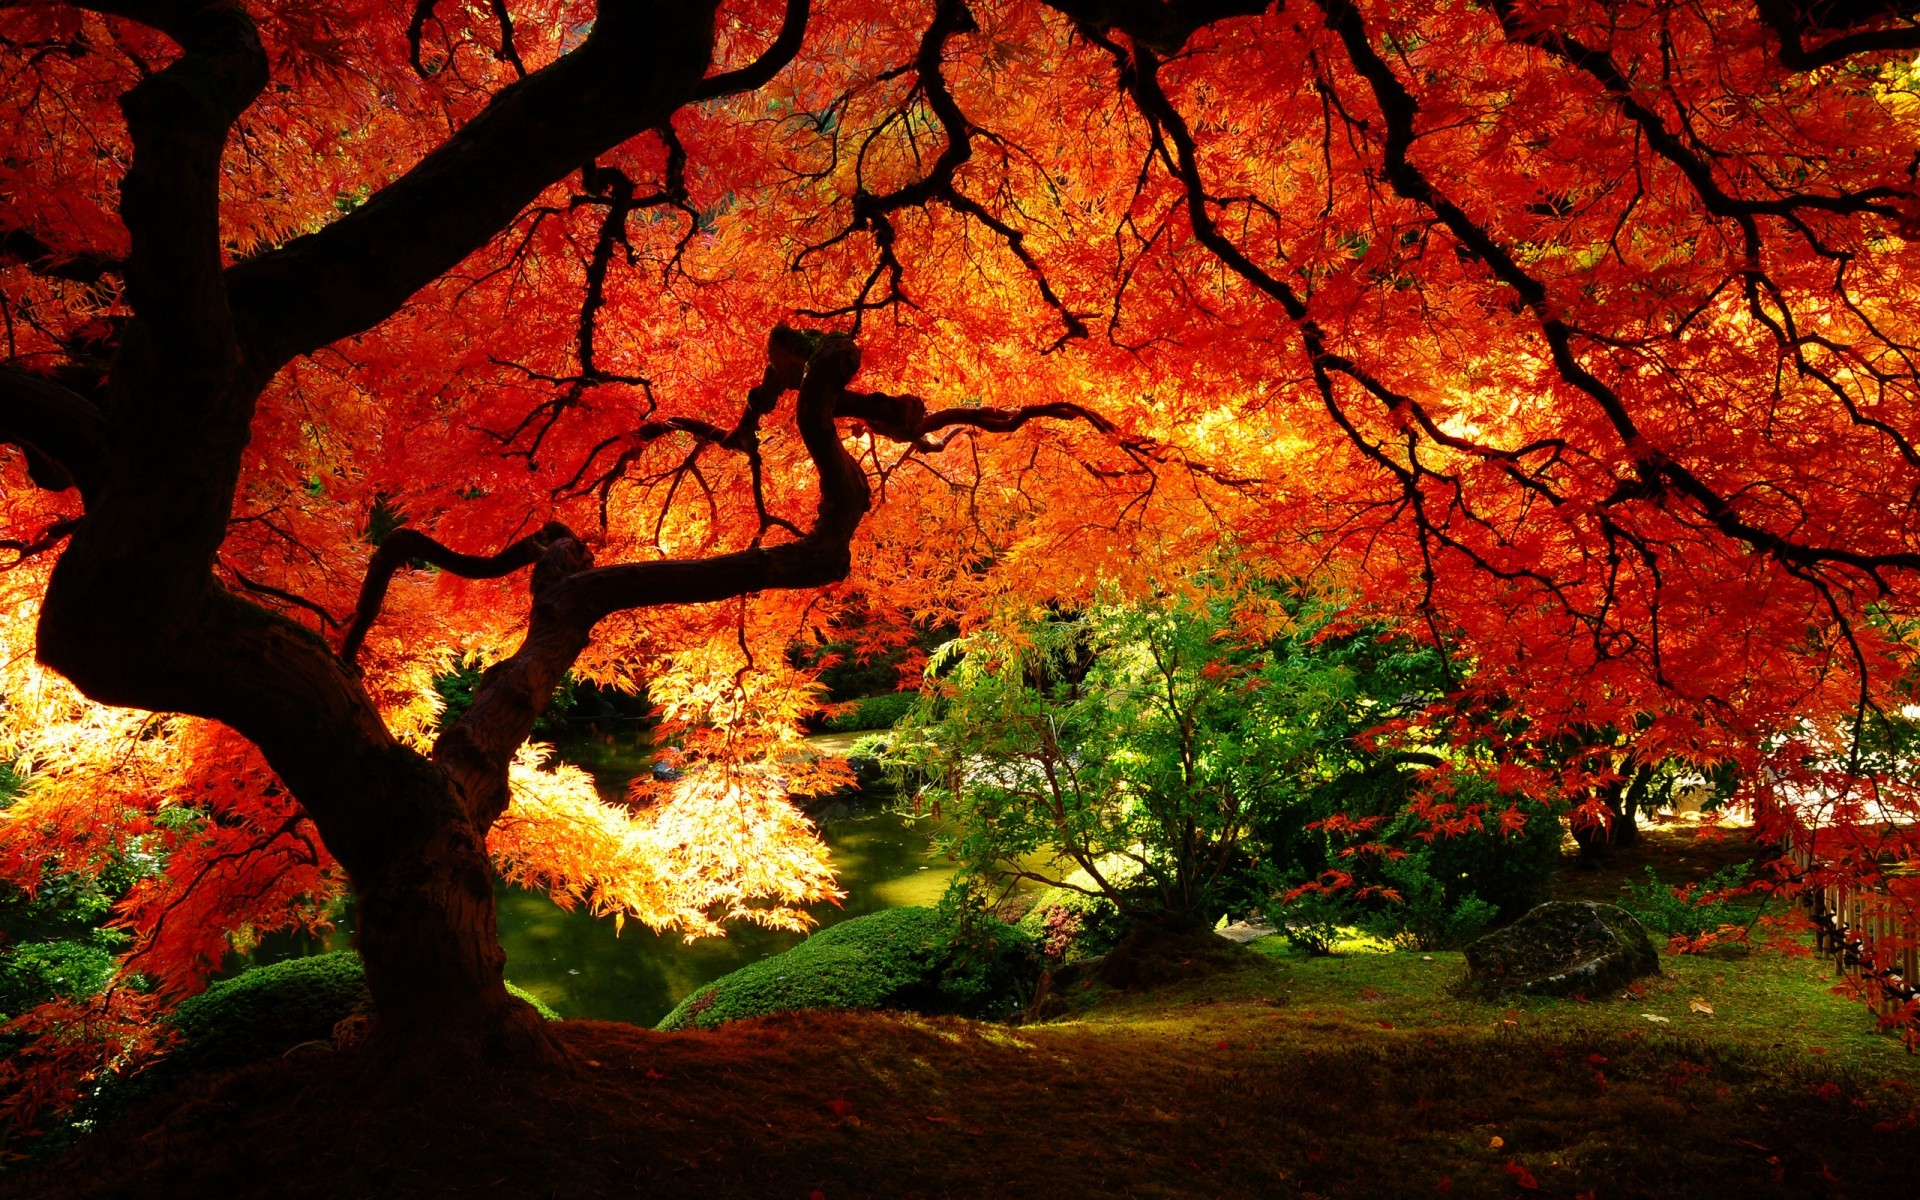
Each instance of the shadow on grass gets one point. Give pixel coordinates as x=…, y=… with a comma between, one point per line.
x=1283, y=1076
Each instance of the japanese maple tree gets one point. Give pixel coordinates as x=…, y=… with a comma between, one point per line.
x=1577, y=337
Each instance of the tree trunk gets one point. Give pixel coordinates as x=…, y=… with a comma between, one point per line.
x=428, y=938
x=1622, y=826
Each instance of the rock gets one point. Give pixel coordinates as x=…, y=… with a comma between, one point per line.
x=1245, y=931
x=1563, y=948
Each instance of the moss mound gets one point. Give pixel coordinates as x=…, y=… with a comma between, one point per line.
x=260, y=1014
x=918, y=959
x=264, y=1012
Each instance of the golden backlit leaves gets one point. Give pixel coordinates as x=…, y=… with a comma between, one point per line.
x=722, y=845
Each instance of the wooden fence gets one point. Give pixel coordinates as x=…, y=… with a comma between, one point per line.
x=1870, y=938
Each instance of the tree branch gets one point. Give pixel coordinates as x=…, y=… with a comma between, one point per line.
x=62, y=434
x=1162, y=25
x=1793, y=20
x=633, y=70
x=761, y=71
x=570, y=595
x=404, y=546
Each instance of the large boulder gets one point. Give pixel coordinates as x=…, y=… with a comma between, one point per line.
x=1563, y=948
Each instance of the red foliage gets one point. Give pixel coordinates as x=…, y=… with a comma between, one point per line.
x=1573, y=337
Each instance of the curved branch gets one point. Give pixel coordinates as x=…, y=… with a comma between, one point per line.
x=632, y=71
x=905, y=419
x=1162, y=25
x=761, y=71
x=570, y=595
x=26, y=548
x=823, y=556
x=404, y=546
x=62, y=433
x=1792, y=21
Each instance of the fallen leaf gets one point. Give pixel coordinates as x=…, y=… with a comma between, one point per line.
x=1700, y=1006
x=1662, y=1020
x=1521, y=1175
x=1496, y=1143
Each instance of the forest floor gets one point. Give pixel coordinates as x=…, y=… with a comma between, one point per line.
x=1272, y=1075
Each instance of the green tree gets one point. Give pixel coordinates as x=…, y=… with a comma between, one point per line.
x=1165, y=756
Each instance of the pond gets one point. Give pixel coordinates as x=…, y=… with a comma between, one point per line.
x=575, y=962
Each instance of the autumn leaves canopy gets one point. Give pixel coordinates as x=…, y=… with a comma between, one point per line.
x=1577, y=338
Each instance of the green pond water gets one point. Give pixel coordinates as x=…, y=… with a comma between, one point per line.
x=575, y=962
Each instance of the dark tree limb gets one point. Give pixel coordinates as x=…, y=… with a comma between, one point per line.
x=42, y=259
x=258, y=588
x=1793, y=21
x=1161, y=25
x=639, y=64
x=404, y=546
x=26, y=548
x=62, y=433
x=759, y=72
x=570, y=595
x=905, y=419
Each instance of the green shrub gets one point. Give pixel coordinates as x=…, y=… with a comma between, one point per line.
x=266, y=1011
x=261, y=1013
x=1513, y=872
x=1069, y=925
x=921, y=959
x=1694, y=910
x=866, y=757
x=873, y=712
x=1428, y=913
x=1311, y=921
x=39, y=971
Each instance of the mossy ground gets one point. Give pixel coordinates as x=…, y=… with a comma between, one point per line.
x=1360, y=1075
